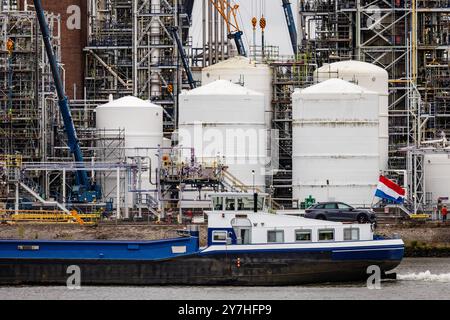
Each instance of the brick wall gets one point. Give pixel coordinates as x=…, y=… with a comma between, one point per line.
x=72, y=42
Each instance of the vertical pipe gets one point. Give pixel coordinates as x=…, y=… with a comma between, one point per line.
x=216, y=36
x=178, y=76
x=222, y=41
x=161, y=203
x=229, y=45
x=86, y=118
x=358, y=30
x=16, y=206
x=210, y=34
x=155, y=40
x=180, y=211
x=262, y=44
x=254, y=43
x=64, y=186
x=414, y=42
x=204, y=4
x=139, y=193
x=126, y=195
x=40, y=105
x=135, y=48
x=118, y=193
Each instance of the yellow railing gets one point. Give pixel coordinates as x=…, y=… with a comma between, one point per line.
x=239, y=184
x=11, y=161
x=48, y=216
x=420, y=216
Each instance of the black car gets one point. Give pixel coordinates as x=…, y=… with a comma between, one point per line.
x=339, y=211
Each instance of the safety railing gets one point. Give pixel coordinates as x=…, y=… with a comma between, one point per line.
x=48, y=216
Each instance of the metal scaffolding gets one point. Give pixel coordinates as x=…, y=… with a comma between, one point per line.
x=131, y=51
x=28, y=105
x=287, y=76
x=27, y=100
x=408, y=38
x=109, y=50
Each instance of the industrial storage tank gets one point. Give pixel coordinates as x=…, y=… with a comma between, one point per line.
x=370, y=77
x=224, y=122
x=242, y=70
x=335, y=143
x=142, y=125
x=437, y=176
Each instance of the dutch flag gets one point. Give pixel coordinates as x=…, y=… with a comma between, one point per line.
x=389, y=190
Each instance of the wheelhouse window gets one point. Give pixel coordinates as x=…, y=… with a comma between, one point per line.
x=261, y=203
x=219, y=236
x=351, y=234
x=275, y=236
x=218, y=203
x=326, y=235
x=303, y=235
x=245, y=204
x=230, y=204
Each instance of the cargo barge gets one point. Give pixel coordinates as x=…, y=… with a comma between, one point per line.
x=247, y=245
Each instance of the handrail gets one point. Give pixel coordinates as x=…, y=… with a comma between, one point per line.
x=239, y=184
x=48, y=216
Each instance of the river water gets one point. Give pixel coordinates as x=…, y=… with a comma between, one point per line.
x=418, y=278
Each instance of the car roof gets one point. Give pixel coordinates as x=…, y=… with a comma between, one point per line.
x=334, y=202
x=329, y=202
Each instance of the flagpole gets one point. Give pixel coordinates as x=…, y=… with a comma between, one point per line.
x=373, y=197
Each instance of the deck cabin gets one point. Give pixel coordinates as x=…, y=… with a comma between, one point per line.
x=238, y=218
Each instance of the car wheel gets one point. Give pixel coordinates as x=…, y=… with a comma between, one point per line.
x=362, y=218
x=321, y=217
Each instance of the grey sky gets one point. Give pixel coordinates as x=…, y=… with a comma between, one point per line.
x=276, y=32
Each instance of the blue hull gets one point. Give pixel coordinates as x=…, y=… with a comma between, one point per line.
x=179, y=262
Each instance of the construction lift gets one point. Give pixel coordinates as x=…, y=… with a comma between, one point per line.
x=290, y=24
x=230, y=14
x=83, y=191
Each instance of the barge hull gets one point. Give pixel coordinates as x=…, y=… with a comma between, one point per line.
x=246, y=269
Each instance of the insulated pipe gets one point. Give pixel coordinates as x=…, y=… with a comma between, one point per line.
x=155, y=34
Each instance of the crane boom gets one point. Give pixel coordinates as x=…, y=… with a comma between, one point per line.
x=291, y=24
x=230, y=15
x=184, y=58
x=189, y=7
x=72, y=139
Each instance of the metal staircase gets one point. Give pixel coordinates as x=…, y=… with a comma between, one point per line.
x=233, y=184
x=43, y=201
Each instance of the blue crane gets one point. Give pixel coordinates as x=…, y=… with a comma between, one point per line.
x=188, y=8
x=184, y=58
x=84, y=191
x=291, y=24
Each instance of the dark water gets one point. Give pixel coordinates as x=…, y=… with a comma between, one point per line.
x=418, y=278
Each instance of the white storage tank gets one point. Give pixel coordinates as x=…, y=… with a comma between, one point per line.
x=224, y=122
x=242, y=70
x=335, y=143
x=437, y=176
x=370, y=77
x=142, y=123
